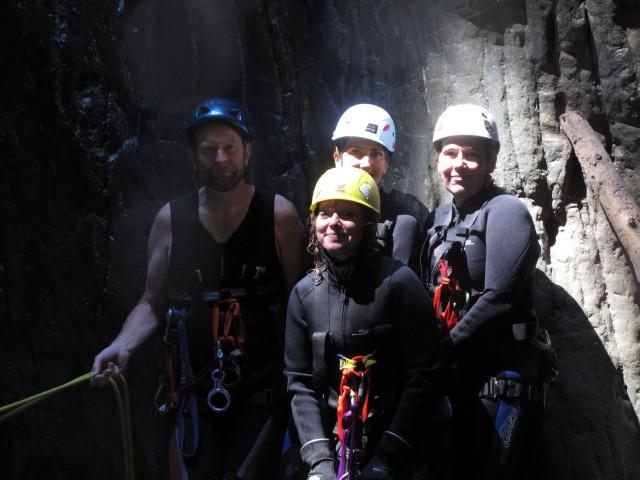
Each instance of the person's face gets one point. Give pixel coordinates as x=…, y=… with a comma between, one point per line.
x=339, y=227
x=365, y=154
x=221, y=156
x=464, y=164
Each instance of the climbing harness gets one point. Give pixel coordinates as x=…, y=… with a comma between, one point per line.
x=121, y=391
x=449, y=283
x=228, y=350
x=228, y=340
x=448, y=279
x=224, y=370
x=353, y=404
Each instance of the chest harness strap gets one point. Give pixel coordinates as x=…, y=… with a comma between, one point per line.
x=352, y=411
x=452, y=298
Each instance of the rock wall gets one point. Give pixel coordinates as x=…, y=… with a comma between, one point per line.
x=95, y=97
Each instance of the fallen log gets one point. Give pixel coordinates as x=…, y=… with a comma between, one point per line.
x=603, y=179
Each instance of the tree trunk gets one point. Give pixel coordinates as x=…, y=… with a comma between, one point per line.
x=601, y=175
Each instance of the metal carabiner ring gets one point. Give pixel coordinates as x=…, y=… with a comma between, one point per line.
x=217, y=390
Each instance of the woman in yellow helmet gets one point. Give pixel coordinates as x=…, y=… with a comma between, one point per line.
x=361, y=339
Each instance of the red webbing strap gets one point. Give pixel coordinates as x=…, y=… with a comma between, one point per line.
x=172, y=397
x=449, y=316
x=233, y=332
x=352, y=375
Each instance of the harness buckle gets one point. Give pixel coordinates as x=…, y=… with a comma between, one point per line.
x=492, y=387
x=511, y=388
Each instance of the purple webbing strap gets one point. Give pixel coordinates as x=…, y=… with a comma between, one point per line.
x=186, y=375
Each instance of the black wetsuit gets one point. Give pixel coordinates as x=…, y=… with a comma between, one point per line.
x=402, y=216
x=245, y=440
x=497, y=264
x=382, y=309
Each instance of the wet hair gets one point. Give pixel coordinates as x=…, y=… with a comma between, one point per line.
x=366, y=253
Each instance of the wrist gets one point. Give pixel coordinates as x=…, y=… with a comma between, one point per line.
x=316, y=451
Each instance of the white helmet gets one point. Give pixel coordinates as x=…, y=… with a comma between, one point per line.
x=367, y=121
x=466, y=119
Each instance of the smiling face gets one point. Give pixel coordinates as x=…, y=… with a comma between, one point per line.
x=221, y=156
x=464, y=164
x=364, y=154
x=339, y=227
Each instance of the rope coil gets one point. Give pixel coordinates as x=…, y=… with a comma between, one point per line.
x=121, y=390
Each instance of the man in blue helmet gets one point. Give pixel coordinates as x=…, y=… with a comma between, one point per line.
x=223, y=260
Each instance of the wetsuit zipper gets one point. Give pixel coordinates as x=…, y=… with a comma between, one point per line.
x=343, y=316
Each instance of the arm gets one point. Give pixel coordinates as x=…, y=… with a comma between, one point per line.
x=408, y=215
x=418, y=343
x=143, y=321
x=405, y=234
x=305, y=408
x=289, y=238
x=511, y=254
x=417, y=338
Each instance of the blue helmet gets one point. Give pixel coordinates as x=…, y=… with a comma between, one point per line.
x=220, y=110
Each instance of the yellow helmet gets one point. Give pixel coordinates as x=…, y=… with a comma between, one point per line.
x=347, y=183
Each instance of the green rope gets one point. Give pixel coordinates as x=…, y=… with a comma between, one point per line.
x=125, y=422
x=21, y=405
x=121, y=390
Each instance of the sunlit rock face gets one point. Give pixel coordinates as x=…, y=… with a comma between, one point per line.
x=94, y=100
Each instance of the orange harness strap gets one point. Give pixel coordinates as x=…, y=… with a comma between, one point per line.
x=233, y=333
x=172, y=398
x=452, y=296
x=354, y=382
x=449, y=317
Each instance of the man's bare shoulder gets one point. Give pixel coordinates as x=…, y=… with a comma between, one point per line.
x=161, y=229
x=164, y=214
x=286, y=219
x=284, y=207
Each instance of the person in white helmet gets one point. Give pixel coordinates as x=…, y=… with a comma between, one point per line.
x=477, y=262
x=365, y=138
